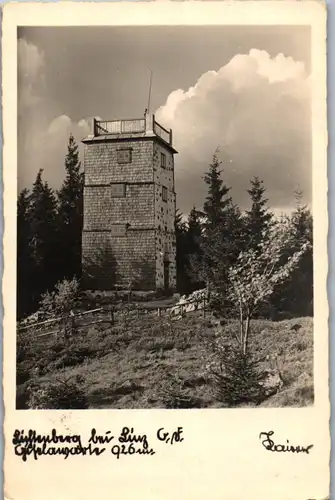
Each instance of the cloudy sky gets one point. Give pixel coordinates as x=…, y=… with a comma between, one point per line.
x=244, y=89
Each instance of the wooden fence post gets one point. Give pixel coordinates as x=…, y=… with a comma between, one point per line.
x=159, y=312
x=204, y=307
x=72, y=323
x=111, y=315
x=182, y=312
x=65, y=333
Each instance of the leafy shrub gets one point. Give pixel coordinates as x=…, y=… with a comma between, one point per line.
x=58, y=396
x=63, y=299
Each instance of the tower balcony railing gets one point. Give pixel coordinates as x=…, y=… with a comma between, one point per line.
x=116, y=127
x=134, y=126
x=162, y=132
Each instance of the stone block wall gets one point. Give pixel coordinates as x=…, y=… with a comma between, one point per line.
x=146, y=238
x=102, y=209
x=109, y=260
x=164, y=215
x=101, y=166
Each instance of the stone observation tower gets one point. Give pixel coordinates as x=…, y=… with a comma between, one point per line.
x=129, y=206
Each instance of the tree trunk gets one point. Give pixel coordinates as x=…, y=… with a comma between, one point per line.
x=241, y=325
x=246, y=335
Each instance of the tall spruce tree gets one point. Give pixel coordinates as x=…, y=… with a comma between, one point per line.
x=194, y=231
x=299, y=291
x=43, y=237
x=303, y=279
x=225, y=246
x=181, y=253
x=217, y=197
x=25, y=268
x=70, y=213
x=295, y=296
x=258, y=218
x=193, y=247
x=221, y=223
x=302, y=219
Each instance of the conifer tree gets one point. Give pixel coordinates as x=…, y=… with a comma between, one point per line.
x=226, y=245
x=217, y=197
x=193, y=246
x=302, y=219
x=180, y=225
x=194, y=231
x=302, y=279
x=258, y=218
x=24, y=260
x=220, y=238
x=70, y=213
x=295, y=296
x=43, y=237
x=181, y=253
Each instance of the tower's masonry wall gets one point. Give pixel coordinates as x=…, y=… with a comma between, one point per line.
x=137, y=255
x=136, y=208
x=109, y=259
x=101, y=166
x=164, y=215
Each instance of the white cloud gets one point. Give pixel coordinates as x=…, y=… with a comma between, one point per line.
x=256, y=109
x=30, y=72
x=41, y=144
x=46, y=147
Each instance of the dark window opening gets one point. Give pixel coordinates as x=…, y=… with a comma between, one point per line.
x=124, y=155
x=163, y=160
x=164, y=193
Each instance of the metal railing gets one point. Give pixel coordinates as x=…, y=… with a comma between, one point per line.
x=116, y=127
x=162, y=132
x=134, y=126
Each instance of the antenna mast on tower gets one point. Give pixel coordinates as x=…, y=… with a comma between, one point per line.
x=147, y=111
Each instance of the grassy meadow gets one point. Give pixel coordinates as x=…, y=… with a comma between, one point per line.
x=152, y=362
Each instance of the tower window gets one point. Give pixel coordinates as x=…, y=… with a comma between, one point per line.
x=118, y=190
x=163, y=160
x=164, y=193
x=124, y=155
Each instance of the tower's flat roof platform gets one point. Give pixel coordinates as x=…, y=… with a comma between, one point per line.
x=126, y=130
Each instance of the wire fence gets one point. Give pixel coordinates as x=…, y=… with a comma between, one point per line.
x=70, y=324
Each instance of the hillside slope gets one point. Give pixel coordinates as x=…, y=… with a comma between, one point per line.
x=157, y=363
